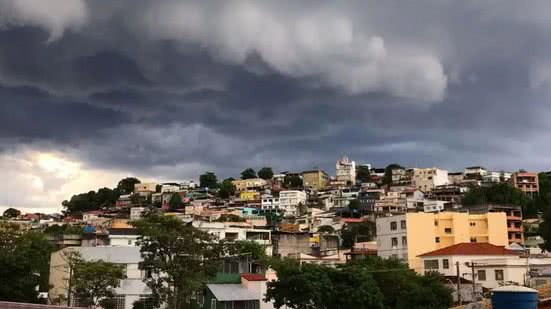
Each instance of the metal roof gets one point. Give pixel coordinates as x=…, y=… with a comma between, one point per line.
x=232, y=292
x=119, y=255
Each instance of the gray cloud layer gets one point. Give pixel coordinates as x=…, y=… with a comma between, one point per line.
x=172, y=88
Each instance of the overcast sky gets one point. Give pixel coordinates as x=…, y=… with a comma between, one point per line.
x=93, y=91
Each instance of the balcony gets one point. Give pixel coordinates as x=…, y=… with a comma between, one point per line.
x=514, y=229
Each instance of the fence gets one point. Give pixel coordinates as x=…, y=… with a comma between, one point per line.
x=10, y=305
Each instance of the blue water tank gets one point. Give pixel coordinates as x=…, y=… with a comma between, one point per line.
x=512, y=296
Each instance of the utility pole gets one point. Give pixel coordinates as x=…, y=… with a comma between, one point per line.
x=458, y=283
x=474, y=284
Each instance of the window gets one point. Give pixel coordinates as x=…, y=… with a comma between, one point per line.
x=437, y=239
x=448, y=230
x=403, y=224
x=393, y=226
x=394, y=241
x=404, y=241
x=213, y=304
x=431, y=264
x=473, y=239
x=473, y=223
x=435, y=223
x=481, y=274
x=130, y=242
x=445, y=264
x=499, y=274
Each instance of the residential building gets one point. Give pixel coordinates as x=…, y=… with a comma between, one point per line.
x=346, y=170
x=145, y=187
x=451, y=193
x=493, y=265
x=136, y=213
x=130, y=289
x=426, y=179
x=455, y=178
x=249, y=184
x=249, y=195
x=515, y=232
x=345, y=195
x=247, y=294
x=401, y=176
x=369, y=197
x=289, y=200
x=124, y=200
x=433, y=206
x=409, y=235
x=226, y=231
x=495, y=177
x=390, y=203
x=315, y=179
x=526, y=182
x=475, y=172
x=123, y=237
x=269, y=202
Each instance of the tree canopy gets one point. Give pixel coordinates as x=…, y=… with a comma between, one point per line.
x=185, y=256
x=369, y=283
x=352, y=232
x=292, y=182
x=363, y=173
x=126, y=185
x=11, y=213
x=208, y=180
x=94, y=282
x=266, y=173
x=226, y=189
x=175, y=202
x=24, y=264
x=248, y=174
x=503, y=194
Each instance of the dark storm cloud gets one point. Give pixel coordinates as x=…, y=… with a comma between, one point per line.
x=224, y=85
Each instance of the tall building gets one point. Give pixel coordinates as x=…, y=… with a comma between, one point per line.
x=426, y=179
x=249, y=184
x=346, y=170
x=526, y=182
x=289, y=201
x=513, y=213
x=315, y=179
x=409, y=235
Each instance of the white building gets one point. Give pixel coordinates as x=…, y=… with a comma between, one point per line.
x=425, y=179
x=269, y=202
x=136, y=213
x=433, y=206
x=170, y=188
x=290, y=199
x=130, y=290
x=475, y=170
x=145, y=187
x=392, y=237
x=496, y=177
x=223, y=231
x=346, y=170
x=493, y=265
x=123, y=237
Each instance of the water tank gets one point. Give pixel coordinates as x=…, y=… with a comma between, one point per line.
x=512, y=296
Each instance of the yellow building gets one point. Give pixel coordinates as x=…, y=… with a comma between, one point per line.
x=249, y=196
x=409, y=235
x=315, y=179
x=247, y=184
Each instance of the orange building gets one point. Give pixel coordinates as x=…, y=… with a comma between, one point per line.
x=526, y=182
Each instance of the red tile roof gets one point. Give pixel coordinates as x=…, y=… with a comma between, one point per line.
x=253, y=277
x=471, y=249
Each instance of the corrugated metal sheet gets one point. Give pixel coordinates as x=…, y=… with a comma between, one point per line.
x=231, y=292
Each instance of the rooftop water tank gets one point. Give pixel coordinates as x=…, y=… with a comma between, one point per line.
x=512, y=296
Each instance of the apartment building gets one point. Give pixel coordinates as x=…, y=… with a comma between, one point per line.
x=409, y=235
x=515, y=232
x=426, y=179
x=145, y=187
x=269, y=202
x=249, y=196
x=130, y=290
x=391, y=203
x=290, y=199
x=249, y=184
x=315, y=179
x=346, y=170
x=225, y=231
x=526, y=182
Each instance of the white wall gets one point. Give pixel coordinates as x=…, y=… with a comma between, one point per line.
x=385, y=235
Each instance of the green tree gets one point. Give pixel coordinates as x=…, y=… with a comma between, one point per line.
x=175, y=202
x=357, y=232
x=248, y=174
x=182, y=257
x=387, y=178
x=354, y=204
x=227, y=189
x=94, y=282
x=24, y=264
x=266, y=173
x=292, y=182
x=230, y=218
x=208, y=180
x=249, y=248
x=11, y=213
x=323, y=287
x=158, y=188
x=363, y=174
x=501, y=194
x=126, y=185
